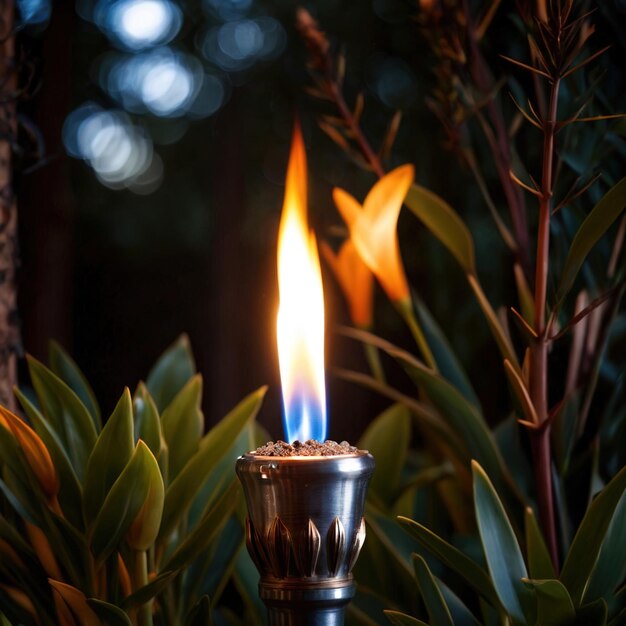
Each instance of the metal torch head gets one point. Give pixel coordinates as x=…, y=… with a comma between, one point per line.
x=304, y=531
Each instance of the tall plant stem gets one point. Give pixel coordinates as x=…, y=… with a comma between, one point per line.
x=140, y=579
x=540, y=439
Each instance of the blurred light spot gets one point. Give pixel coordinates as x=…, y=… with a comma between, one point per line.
x=239, y=44
x=166, y=87
x=210, y=98
x=161, y=81
x=120, y=153
x=240, y=40
x=392, y=80
x=139, y=24
x=149, y=180
x=34, y=11
x=228, y=10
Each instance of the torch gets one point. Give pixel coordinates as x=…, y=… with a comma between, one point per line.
x=305, y=525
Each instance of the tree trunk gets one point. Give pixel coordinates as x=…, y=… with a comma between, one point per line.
x=9, y=330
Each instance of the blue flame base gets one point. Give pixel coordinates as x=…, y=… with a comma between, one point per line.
x=304, y=420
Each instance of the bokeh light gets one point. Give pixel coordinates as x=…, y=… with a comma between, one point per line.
x=237, y=45
x=393, y=81
x=34, y=11
x=162, y=82
x=120, y=153
x=138, y=24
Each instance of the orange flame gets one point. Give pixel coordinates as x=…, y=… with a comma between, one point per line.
x=300, y=322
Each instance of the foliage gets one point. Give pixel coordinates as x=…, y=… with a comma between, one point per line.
x=469, y=548
x=138, y=521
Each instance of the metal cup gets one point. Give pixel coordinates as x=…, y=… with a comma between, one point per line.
x=304, y=532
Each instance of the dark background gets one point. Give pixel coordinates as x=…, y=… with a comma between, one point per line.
x=115, y=277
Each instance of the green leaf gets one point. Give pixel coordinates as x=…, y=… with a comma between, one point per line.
x=554, y=605
x=147, y=420
x=587, y=542
x=20, y=486
x=443, y=221
x=109, y=457
x=246, y=580
x=436, y=606
x=447, y=361
x=610, y=568
x=461, y=615
x=67, y=415
x=461, y=416
x=213, y=446
x=70, y=492
x=123, y=503
x=144, y=594
x=539, y=561
x=110, y=614
x=402, y=619
x=502, y=552
x=470, y=571
x=200, y=615
x=171, y=372
x=145, y=527
x=590, y=231
x=387, y=438
x=66, y=369
x=182, y=423
x=207, y=528
x=592, y=614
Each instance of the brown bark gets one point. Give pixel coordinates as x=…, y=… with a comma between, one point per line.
x=9, y=330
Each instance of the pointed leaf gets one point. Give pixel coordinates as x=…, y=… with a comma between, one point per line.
x=76, y=601
x=436, y=606
x=470, y=571
x=443, y=221
x=387, y=438
x=554, y=605
x=592, y=614
x=587, y=542
x=539, y=561
x=66, y=369
x=402, y=619
x=145, y=527
x=200, y=615
x=591, y=230
x=182, y=422
x=110, y=614
x=123, y=503
x=171, y=372
x=610, y=568
x=67, y=415
x=147, y=420
x=144, y=594
x=181, y=493
x=461, y=615
x=109, y=457
x=70, y=492
x=502, y=552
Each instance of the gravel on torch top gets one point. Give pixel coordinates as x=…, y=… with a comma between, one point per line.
x=311, y=447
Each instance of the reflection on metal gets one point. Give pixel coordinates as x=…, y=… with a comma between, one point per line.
x=305, y=531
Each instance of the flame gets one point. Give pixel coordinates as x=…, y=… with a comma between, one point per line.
x=300, y=321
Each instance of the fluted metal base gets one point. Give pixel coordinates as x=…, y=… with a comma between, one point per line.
x=305, y=531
